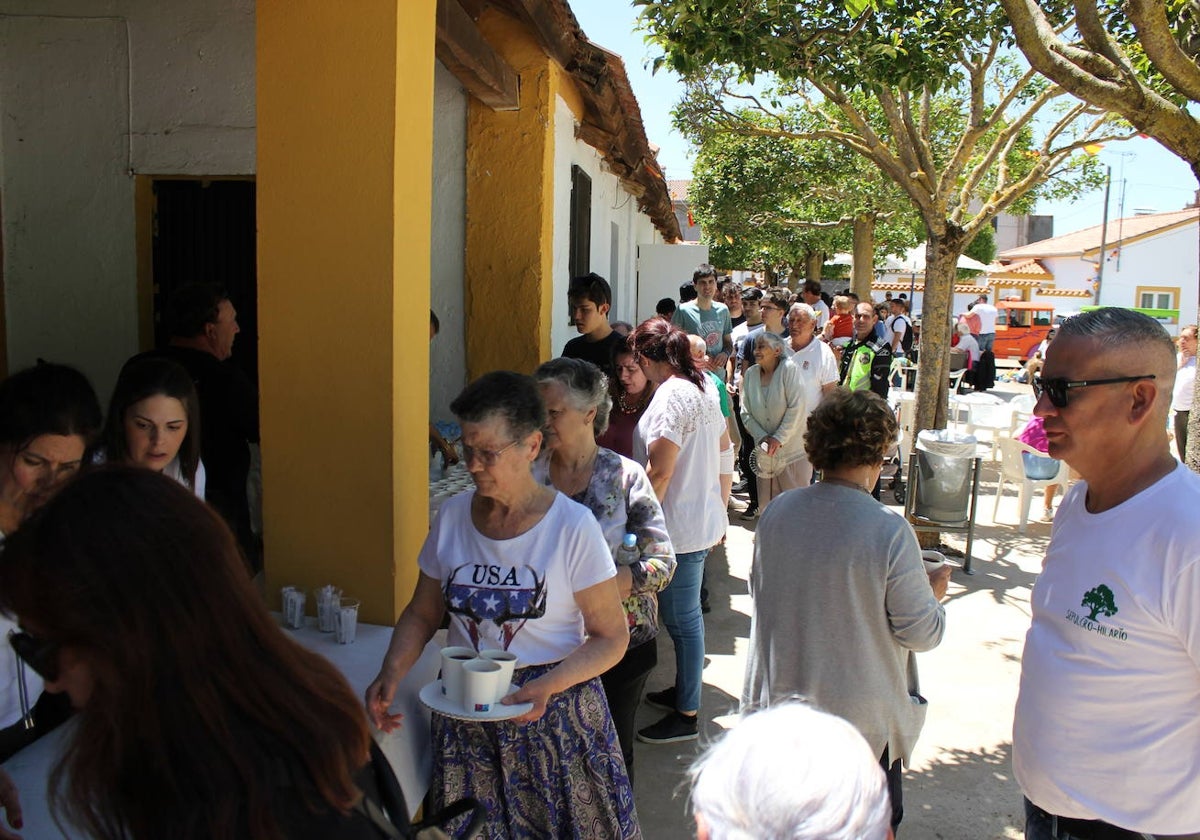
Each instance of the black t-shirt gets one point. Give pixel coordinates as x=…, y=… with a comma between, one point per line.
x=598, y=353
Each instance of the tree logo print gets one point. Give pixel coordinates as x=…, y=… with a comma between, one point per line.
x=1099, y=600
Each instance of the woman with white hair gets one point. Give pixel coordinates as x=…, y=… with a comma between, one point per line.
x=790, y=772
x=773, y=412
x=968, y=344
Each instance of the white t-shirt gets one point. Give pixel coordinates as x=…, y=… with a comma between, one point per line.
x=1107, y=721
x=10, y=670
x=818, y=368
x=691, y=419
x=968, y=343
x=1185, y=382
x=822, y=310
x=987, y=324
x=897, y=324
x=517, y=594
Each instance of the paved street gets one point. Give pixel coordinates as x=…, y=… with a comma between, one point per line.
x=961, y=785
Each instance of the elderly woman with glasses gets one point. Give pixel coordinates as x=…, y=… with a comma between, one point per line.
x=618, y=493
x=839, y=614
x=522, y=568
x=774, y=410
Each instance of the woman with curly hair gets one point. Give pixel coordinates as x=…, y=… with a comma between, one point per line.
x=839, y=613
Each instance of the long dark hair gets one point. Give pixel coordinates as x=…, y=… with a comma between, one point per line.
x=660, y=341
x=202, y=709
x=47, y=399
x=153, y=377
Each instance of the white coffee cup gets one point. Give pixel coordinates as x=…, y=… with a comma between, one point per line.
x=453, y=659
x=508, y=664
x=480, y=677
x=934, y=560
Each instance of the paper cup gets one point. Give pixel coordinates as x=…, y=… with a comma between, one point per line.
x=479, y=684
x=346, y=622
x=453, y=659
x=329, y=601
x=293, y=607
x=934, y=560
x=507, y=662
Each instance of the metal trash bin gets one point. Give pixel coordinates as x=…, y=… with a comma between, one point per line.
x=944, y=489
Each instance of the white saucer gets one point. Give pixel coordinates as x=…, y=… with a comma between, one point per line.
x=431, y=696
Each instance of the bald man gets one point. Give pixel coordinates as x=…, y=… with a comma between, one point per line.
x=1106, y=739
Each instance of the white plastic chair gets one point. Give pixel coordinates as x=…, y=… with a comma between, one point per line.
x=1022, y=409
x=994, y=418
x=1012, y=468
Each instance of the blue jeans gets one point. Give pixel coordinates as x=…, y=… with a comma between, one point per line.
x=679, y=606
x=986, y=341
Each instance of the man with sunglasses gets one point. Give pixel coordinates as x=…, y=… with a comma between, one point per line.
x=1106, y=735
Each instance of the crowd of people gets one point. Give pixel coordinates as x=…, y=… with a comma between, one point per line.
x=601, y=485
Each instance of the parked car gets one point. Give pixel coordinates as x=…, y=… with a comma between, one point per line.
x=1020, y=327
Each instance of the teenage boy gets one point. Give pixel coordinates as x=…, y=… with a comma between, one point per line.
x=590, y=298
x=707, y=318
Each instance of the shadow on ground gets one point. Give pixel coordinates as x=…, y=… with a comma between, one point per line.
x=964, y=795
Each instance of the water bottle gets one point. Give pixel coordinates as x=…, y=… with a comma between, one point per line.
x=629, y=552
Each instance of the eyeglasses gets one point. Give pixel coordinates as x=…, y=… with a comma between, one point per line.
x=487, y=457
x=38, y=654
x=1058, y=389
x=766, y=307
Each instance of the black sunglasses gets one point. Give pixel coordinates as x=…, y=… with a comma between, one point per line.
x=1058, y=388
x=38, y=654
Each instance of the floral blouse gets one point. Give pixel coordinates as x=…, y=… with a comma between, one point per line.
x=619, y=495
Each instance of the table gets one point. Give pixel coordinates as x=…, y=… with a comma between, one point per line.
x=408, y=749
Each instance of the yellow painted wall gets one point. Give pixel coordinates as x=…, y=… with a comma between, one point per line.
x=510, y=209
x=345, y=139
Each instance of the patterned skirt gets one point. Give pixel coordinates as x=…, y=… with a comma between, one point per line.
x=561, y=776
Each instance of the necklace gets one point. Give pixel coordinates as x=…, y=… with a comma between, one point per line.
x=637, y=406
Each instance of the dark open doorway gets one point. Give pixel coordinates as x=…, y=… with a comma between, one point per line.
x=204, y=232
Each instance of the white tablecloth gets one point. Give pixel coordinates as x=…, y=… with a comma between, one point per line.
x=408, y=749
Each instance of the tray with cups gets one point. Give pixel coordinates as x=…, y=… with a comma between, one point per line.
x=472, y=685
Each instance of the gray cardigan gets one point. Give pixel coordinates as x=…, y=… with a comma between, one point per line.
x=841, y=604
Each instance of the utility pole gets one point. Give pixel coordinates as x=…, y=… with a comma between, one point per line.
x=1103, y=234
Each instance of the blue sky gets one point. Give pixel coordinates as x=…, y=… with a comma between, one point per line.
x=1153, y=177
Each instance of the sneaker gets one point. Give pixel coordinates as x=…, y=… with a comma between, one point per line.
x=674, y=727
x=750, y=512
x=1048, y=514
x=741, y=486
x=664, y=699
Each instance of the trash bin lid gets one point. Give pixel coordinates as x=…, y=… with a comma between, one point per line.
x=946, y=443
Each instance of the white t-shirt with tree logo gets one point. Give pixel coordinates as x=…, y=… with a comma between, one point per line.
x=1108, y=719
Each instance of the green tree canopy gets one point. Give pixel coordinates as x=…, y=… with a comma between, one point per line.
x=970, y=135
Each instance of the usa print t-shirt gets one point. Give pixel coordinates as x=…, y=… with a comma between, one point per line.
x=517, y=594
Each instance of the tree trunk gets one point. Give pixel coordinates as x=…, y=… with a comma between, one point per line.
x=1192, y=456
x=864, y=256
x=941, y=260
x=814, y=261
x=933, y=370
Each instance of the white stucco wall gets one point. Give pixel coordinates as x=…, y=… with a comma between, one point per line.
x=93, y=93
x=447, y=353
x=611, y=205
